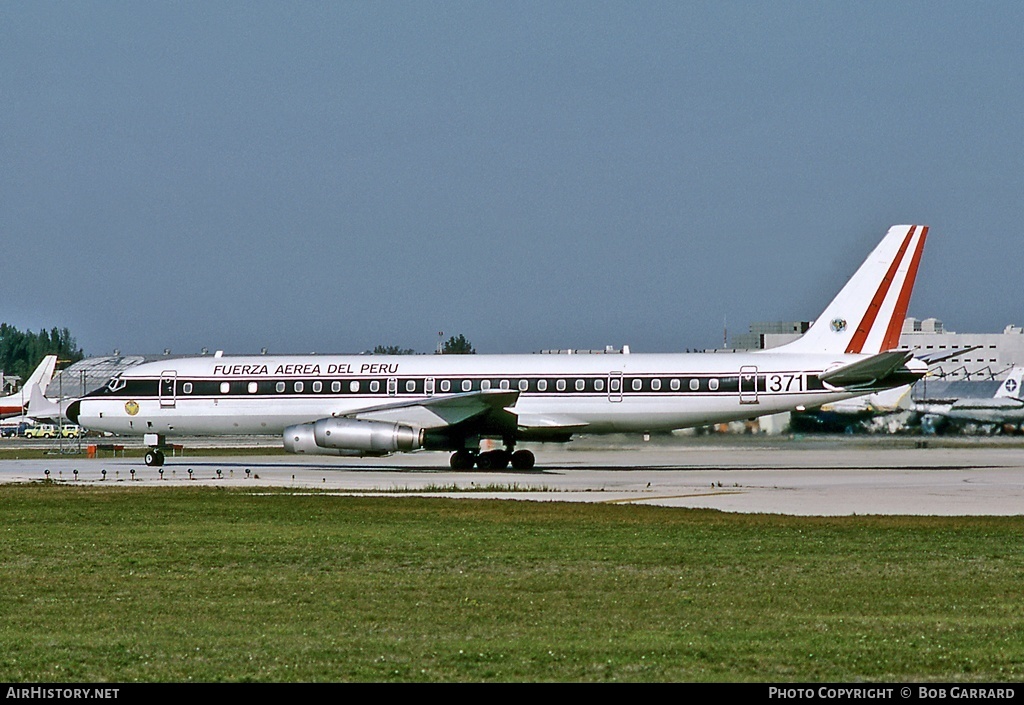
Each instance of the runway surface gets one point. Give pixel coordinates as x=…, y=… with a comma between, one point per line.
x=818, y=478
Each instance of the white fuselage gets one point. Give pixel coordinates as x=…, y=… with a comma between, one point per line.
x=605, y=393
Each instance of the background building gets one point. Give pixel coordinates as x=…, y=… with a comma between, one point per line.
x=985, y=356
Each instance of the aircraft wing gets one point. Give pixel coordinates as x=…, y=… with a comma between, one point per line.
x=550, y=422
x=439, y=411
x=868, y=370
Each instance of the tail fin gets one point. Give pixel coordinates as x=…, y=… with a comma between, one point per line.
x=867, y=315
x=39, y=407
x=1011, y=385
x=42, y=375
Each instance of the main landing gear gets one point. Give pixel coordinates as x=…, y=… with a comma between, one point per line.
x=154, y=457
x=492, y=460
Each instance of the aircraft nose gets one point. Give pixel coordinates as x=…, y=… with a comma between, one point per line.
x=73, y=410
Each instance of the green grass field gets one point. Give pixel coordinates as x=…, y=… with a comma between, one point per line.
x=204, y=584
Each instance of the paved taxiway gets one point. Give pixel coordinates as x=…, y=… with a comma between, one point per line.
x=823, y=478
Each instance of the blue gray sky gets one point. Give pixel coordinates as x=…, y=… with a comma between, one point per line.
x=327, y=177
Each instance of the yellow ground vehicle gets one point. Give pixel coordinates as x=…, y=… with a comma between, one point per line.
x=72, y=431
x=44, y=430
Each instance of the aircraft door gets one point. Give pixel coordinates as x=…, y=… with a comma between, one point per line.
x=392, y=386
x=614, y=386
x=748, y=384
x=168, y=388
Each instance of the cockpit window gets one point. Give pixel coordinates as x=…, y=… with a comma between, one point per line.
x=116, y=384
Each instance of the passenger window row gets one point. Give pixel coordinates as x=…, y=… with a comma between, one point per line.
x=421, y=385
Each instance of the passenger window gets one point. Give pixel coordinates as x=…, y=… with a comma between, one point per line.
x=318, y=386
x=446, y=385
x=486, y=384
x=655, y=385
x=410, y=385
x=353, y=386
x=598, y=385
x=253, y=387
x=560, y=385
x=523, y=385
x=299, y=386
x=674, y=385
x=186, y=388
x=375, y=386
x=637, y=385
x=336, y=386
x=225, y=387
x=467, y=385
x=713, y=385
x=503, y=384
x=694, y=385
x=542, y=385
x=279, y=387
x=581, y=384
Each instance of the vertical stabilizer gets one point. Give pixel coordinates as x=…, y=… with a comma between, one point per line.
x=42, y=375
x=867, y=315
x=1011, y=385
x=39, y=407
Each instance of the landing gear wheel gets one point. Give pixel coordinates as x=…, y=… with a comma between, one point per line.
x=462, y=460
x=523, y=460
x=493, y=460
x=154, y=458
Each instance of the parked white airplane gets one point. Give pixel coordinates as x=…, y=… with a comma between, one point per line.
x=1006, y=407
x=16, y=404
x=359, y=405
x=876, y=411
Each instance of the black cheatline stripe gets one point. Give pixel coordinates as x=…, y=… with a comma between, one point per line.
x=203, y=387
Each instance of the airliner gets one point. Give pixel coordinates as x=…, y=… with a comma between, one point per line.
x=1006, y=407
x=479, y=407
x=16, y=404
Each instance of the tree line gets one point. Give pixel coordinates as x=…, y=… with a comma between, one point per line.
x=21, y=352
x=455, y=345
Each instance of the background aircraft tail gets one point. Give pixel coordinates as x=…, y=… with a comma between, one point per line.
x=1011, y=385
x=867, y=315
x=42, y=375
x=39, y=407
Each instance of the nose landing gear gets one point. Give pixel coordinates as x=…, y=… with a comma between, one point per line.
x=154, y=456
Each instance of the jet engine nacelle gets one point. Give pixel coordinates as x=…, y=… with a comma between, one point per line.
x=350, y=437
x=365, y=436
x=299, y=439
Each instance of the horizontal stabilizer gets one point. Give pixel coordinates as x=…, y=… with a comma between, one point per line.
x=867, y=371
x=936, y=357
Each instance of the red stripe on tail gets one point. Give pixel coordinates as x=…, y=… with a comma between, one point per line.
x=892, y=333
x=861, y=334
